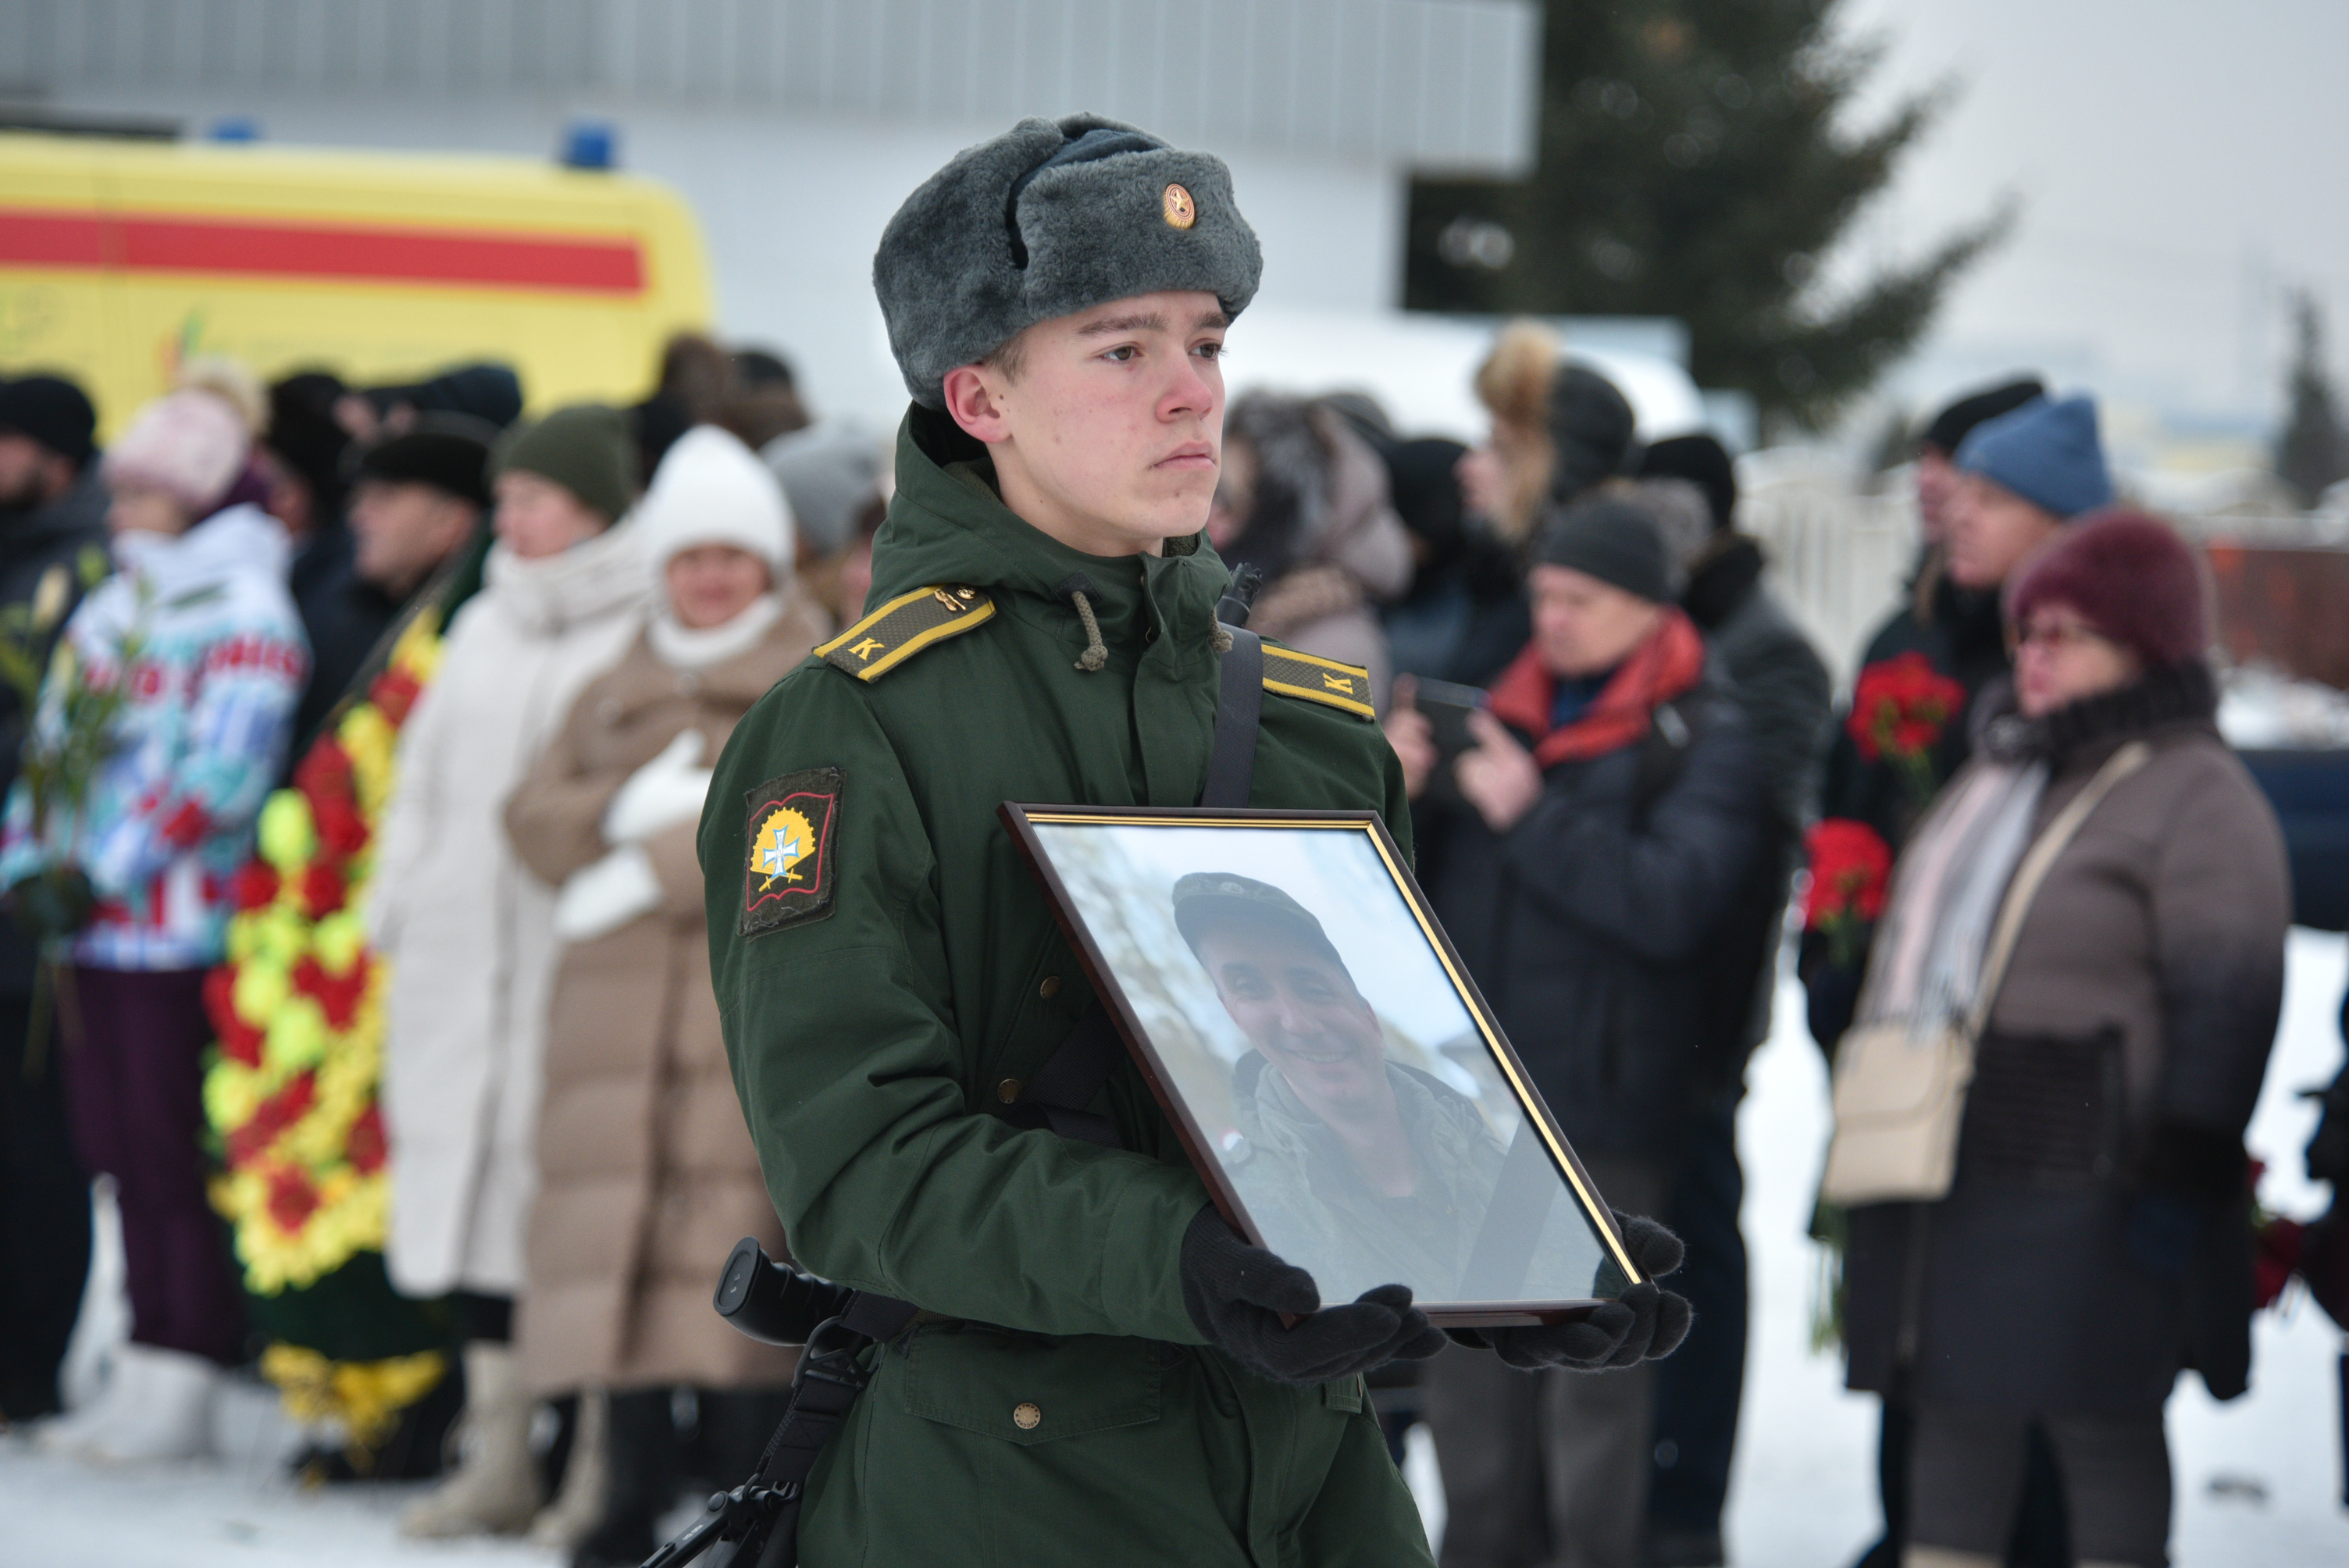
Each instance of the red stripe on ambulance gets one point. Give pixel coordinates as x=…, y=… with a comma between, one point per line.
x=135, y=243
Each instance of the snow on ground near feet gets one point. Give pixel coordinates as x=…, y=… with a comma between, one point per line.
x=2258, y=1480
x=1804, y=1490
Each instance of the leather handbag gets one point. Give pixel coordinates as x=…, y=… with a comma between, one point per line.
x=1900, y=1084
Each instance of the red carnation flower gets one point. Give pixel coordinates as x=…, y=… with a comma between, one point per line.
x=255, y=886
x=337, y=998
x=324, y=891
x=342, y=832
x=293, y=1198
x=1851, y=866
x=239, y=1041
x=1899, y=708
x=394, y=693
x=367, y=1147
x=271, y=1118
x=324, y=773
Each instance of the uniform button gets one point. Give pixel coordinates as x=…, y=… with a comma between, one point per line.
x=1008, y=1091
x=1150, y=635
x=1026, y=1416
x=1049, y=988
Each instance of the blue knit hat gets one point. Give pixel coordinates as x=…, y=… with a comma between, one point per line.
x=2046, y=452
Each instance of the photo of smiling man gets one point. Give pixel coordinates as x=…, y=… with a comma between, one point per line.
x=1358, y=1167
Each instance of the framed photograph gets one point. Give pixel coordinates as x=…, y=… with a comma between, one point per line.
x=1341, y=1087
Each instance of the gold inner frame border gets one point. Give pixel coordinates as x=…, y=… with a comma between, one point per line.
x=1470, y=998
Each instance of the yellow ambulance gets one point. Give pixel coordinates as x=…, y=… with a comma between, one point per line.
x=120, y=259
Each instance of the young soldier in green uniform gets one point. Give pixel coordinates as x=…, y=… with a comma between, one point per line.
x=1100, y=1373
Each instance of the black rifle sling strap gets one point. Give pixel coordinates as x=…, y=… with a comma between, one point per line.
x=1239, y=709
x=1070, y=1080
x=829, y=1375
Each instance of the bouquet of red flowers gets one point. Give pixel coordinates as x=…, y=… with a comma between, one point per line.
x=1899, y=707
x=1851, y=866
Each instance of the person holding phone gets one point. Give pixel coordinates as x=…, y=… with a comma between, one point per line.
x=1582, y=856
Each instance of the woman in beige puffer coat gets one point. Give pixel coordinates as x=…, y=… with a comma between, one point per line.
x=647, y=1173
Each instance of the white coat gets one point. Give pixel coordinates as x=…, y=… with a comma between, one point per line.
x=468, y=932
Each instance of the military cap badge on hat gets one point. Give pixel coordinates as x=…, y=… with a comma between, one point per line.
x=1049, y=218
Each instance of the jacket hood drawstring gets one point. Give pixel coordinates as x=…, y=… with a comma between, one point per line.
x=1075, y=587
x=1078, y=585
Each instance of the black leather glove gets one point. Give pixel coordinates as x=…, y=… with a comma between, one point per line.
x=1235, y=1294
x=1643, y=1324
x=53, y=903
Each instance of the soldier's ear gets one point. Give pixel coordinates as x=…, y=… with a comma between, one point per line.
x=975, y=400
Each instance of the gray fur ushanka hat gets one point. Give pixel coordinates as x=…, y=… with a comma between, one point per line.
x=1049, y=218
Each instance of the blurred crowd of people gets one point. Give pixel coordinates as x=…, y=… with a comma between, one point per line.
x=208, y=597
x=1624, y=752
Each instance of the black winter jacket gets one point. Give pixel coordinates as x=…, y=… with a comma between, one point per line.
x=1962, y=635
x=1781, y=686
x=31, y=542
x=1592, y=927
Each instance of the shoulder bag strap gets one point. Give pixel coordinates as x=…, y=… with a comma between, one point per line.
x=2034, y=872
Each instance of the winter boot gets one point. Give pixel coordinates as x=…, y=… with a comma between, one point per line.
x=168, y=1415
x=578, y=1508
x=496, y=1489
x=641, y=1479
x=69, y=1433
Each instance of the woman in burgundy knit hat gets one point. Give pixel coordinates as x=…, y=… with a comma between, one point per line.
x=2093, y=1240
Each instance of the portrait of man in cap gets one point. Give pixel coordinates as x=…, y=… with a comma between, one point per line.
x=1359, y=1166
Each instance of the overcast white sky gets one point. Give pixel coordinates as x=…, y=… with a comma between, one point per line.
x=2179, y=162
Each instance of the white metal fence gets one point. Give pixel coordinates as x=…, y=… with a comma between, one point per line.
x=1838, y=555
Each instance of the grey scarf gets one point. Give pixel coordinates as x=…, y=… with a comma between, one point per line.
x=1926, y=964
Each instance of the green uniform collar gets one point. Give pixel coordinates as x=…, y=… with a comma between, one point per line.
x=948, y=525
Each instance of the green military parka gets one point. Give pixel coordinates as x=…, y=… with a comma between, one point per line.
x=884, y=963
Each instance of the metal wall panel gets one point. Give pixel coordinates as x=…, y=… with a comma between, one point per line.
x=1425, y=84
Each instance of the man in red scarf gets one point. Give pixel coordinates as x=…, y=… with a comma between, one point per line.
x=1585, y=857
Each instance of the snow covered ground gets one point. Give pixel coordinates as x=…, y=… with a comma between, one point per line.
x=2258, y=1480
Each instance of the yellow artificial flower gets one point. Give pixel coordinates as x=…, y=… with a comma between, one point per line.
x=419, y=649
x=363, y=1397
x=297, y=1036
x=368, y=739
x=233, y=1092
x=288, y=837
x=243, y=935
x=338, y=939
x=262, y=987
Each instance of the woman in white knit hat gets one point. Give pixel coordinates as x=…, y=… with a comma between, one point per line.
x=647, y=1174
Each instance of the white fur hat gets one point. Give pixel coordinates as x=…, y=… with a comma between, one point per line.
x=710, y=488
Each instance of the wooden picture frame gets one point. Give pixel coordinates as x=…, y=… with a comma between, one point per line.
x=1206, y=933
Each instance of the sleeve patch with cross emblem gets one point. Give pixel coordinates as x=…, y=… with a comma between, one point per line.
x=904, y=628
x=791, y=828
x=1316, y=679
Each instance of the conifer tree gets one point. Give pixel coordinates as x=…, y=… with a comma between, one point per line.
x=2313, y=451
x=1694, y=163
